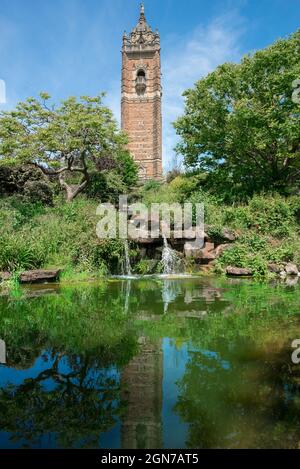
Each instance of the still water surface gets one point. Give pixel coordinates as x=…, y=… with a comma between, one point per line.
x=150, y=363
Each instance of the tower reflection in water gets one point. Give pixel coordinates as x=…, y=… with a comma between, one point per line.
x=142, y=391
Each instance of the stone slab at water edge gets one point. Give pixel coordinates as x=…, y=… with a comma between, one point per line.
x=34, y=276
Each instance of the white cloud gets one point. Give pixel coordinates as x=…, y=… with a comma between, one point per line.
x=187, y=59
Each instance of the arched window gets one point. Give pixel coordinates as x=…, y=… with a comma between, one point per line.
x=141, y=84
x=141, y=73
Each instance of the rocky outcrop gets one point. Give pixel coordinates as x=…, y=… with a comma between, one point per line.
x=238, y=272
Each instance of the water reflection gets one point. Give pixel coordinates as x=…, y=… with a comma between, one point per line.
x=149, y=364
x=142, y=391
x=2, y=352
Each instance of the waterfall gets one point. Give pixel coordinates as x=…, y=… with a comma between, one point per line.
x=170, y=260
x=170, y=290
x=127, y=258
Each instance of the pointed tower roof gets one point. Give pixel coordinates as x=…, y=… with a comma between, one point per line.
x=142, y=25
x=142, y=36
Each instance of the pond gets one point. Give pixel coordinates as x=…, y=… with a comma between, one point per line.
x=150, y=363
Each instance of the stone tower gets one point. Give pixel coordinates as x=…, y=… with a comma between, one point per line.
x=141, y=98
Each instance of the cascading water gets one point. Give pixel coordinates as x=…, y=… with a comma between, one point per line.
x=127, y=258
x=170, y=291
x=127, y=288
x=170, y=260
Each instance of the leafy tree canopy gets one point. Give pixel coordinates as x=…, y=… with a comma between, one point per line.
x=70, y=140
x=242, y=121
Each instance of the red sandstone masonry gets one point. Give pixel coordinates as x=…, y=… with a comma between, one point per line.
x=141, y=113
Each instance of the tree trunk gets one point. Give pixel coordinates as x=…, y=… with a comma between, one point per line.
x=71, y=190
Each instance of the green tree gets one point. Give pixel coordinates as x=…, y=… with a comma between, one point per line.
x=70, y=141
x=242, y=121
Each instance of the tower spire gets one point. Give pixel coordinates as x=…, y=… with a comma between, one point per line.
x=142, y=14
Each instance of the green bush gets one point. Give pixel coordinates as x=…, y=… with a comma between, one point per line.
x=237, y=217
x=38, y=192
x=271, y=215
x=240, y=256
x=148, y=267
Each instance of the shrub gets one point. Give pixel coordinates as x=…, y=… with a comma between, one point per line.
x=148, y=267
x=240, y=256
x=106, y=186
x=271, y=214
x=237, y=217
x=151, y=185
x=38, y=192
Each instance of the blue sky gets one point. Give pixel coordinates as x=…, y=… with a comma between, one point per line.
x=72, y=47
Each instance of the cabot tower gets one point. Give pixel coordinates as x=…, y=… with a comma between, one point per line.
x=141, y=98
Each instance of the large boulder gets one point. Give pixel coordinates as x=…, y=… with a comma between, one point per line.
x=238, y=272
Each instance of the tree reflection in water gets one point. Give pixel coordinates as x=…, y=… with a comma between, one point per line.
x=242, y=397
x=75, y=397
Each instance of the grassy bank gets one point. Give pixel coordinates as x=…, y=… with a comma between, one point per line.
x=64, y=235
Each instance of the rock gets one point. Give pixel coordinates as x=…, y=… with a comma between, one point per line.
x=207, y=253
x=193, y=248
x=221, y=248
x=275, y=268
x=143, y=252
x=191, y=251
x=228, y=235
x=239, y=271
x=207, y=257
x=39, y=276
x=209, y=247
x=145, y=241
x=203, y=254
x=291, y=269
x=4, y=276
x=292, y=281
